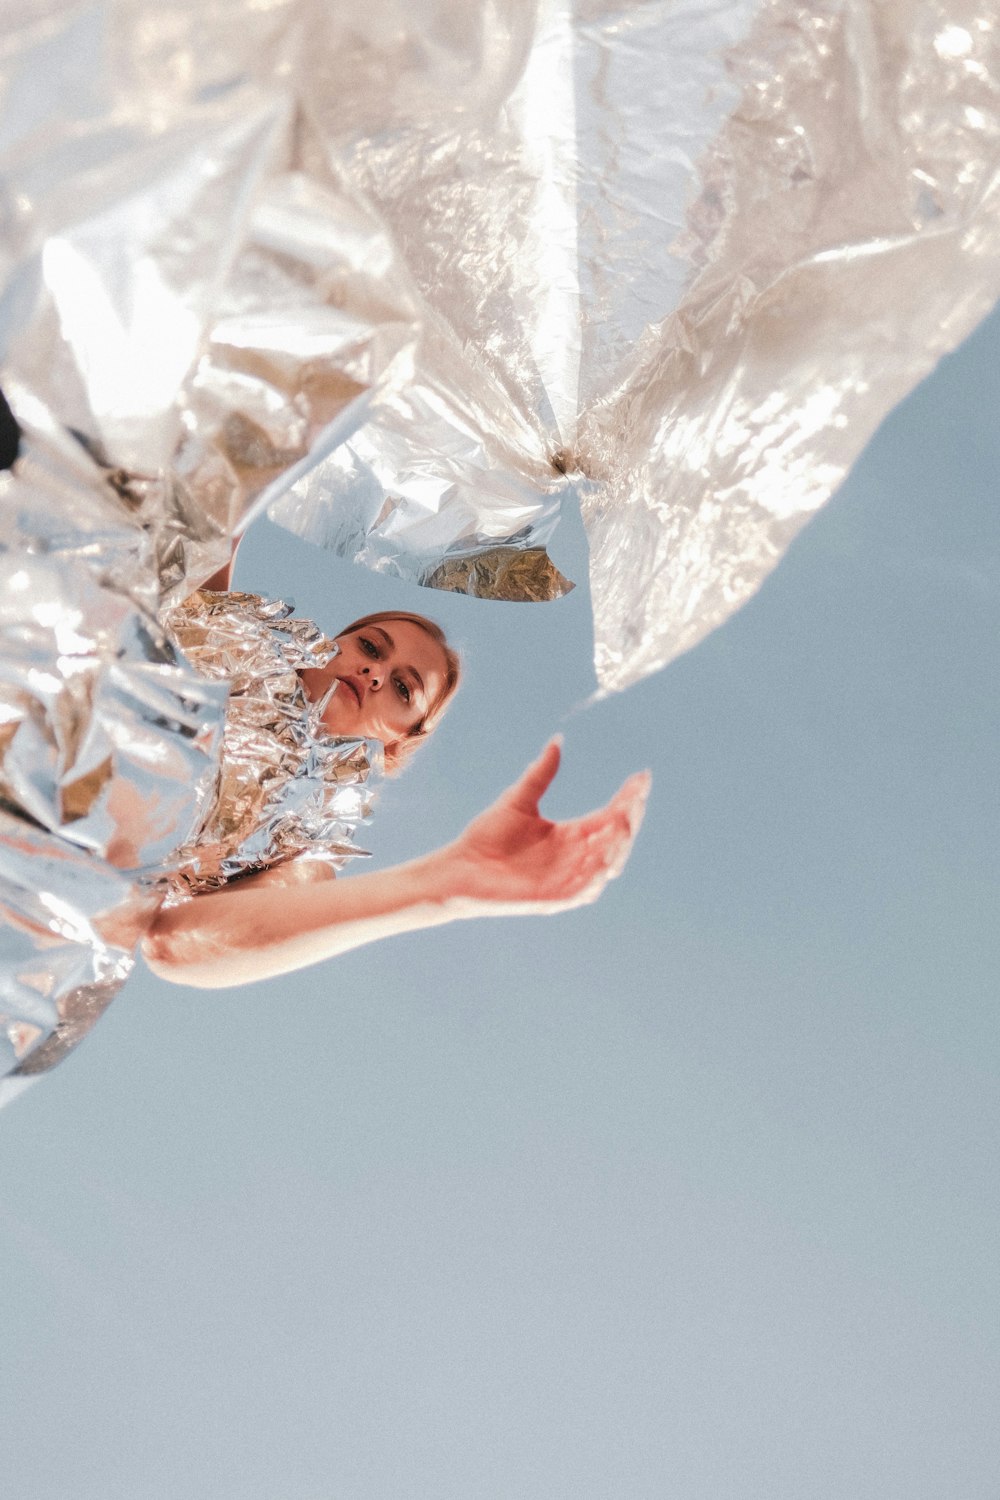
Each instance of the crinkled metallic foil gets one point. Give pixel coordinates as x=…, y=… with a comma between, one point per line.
x=118, y=791
x=406, y=274
x=108, y=739
x=69, y=925
x=286, y=787
x=108, y=748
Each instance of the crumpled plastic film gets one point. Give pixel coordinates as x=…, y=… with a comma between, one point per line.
x=405, y=273
x=845, y=235
x=195, y=312
x=312, y=323
x=698, y=250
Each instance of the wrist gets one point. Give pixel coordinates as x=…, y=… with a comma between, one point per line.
x=444, y=878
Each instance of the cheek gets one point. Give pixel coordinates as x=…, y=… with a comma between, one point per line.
x=334, y=717
x=394, y=718
x=380, y=719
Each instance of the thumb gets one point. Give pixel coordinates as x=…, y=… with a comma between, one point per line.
x=527, y=792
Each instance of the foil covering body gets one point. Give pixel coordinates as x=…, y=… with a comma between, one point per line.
x=286, y=787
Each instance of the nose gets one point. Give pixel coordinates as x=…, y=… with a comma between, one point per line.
x=374, y=678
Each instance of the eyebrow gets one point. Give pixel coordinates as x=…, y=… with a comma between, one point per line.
x=388, y=642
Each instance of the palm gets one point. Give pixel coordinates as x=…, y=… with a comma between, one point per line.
x=513, y=857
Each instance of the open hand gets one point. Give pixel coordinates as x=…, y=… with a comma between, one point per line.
x=512, y=860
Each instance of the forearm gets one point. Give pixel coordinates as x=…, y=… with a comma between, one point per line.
x=510, y=861
x=233, y=936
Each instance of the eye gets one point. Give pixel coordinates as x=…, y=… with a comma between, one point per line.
x=367, y=646
x=402, y=689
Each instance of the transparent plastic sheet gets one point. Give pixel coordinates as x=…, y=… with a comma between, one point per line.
x=689, y=252
x=407, y=272
x=404, y=275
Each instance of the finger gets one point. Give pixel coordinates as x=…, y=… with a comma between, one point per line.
x=634, y=795
x=596, y=852
x=631, y=797
x=634, y=791
x=634, y=809
x=593, y=876
x=527, y=792
x=613, y=831
x=619, y=857
x=566, y=882
x=624, y=812
x=628, y=805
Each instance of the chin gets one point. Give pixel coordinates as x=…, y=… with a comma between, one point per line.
x=334, y=724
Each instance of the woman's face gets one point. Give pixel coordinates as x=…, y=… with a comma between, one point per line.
x=388, y=677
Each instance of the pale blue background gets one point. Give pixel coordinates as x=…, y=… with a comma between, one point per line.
x=689, y=1196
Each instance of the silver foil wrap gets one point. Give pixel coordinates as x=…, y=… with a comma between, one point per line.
x=109, y=744
x=69, y=926
x=134, y=776
x=286, y=788
x=406, y=276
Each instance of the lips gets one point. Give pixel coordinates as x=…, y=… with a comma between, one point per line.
x=354, y=686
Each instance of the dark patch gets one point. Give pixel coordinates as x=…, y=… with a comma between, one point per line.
x=523, y=574
x=10, y=435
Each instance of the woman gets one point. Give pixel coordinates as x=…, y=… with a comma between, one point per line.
x=95, y=872
x=390, y=680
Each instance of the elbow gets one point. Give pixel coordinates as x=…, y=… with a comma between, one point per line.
x=160, y=961
x=156, y=950
x=198, y=976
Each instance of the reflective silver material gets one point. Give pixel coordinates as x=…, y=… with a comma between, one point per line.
x=107, y=737
x=286, y=787
x=69, y=925
x=119, y=748
x=313, y=321
x=692, y=252
x=108, y=746
x=842, y=234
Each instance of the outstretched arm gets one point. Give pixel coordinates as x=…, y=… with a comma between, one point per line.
x=509, y=861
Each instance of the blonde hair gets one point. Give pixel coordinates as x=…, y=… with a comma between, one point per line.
x=399, y=751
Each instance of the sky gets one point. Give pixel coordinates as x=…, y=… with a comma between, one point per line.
x=691, y=1195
